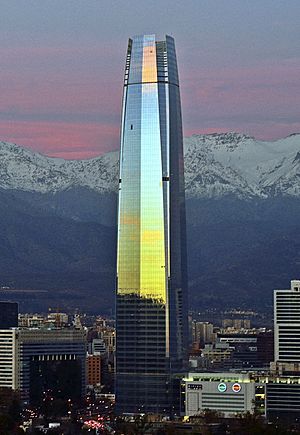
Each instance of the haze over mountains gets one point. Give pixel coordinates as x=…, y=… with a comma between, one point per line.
x=57, y=223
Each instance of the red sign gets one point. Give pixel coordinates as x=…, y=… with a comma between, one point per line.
x=236, y=388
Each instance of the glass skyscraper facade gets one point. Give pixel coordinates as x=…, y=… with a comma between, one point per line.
x=151, y=253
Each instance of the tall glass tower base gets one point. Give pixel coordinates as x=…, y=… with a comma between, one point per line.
x=151, y=257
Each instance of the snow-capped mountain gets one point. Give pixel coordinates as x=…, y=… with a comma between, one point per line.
x=59, y=234
x=232, y=163
x=26, y=170
x=215, y=165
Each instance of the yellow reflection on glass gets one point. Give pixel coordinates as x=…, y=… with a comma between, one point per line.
x=141, y=238
x=153, y=271
x=149, y=72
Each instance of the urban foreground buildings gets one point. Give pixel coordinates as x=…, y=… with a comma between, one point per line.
x=273, y=393
x=151, y=252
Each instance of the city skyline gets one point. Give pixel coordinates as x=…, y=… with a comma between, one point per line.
x=60, y=62
x=100, y=327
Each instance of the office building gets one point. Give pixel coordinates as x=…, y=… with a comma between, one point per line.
x=244, y=349
x=233, y=393
x=8, y=314
x=227, y=393
x=31, y=320
x=217, y=355
x=265, y=348
x=97, y=346
x=151, y=312
x=287, y=324
x=8, y=361
x=93, y=370
x=283, y=398
x=203, y=333
x=37, y=360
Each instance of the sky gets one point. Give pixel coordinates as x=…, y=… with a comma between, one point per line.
x=62, y=66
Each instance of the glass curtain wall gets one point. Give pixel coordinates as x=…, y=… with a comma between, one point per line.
x=151, y=252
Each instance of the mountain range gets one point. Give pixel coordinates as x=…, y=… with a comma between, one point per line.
x=215, y=165
x=58, y=223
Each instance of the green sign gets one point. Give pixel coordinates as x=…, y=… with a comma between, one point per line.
x=222, y=387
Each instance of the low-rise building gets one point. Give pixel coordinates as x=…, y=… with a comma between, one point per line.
x=227, y=393
x=233, y=393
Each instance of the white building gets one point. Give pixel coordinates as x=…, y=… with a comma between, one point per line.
x=8, y=360
x=98, y=347
x=287, y=324
x=228, y=393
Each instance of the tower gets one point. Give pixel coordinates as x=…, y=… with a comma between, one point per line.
x=151, y=250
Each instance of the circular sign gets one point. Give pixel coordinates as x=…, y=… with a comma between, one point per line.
x=222, y=387
x=236, y=388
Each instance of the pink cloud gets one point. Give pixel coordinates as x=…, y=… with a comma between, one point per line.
x=246, y=86
x=61, y=101
x=55, y=81
x=63, y=94
x=262, y=99
x=66, y=140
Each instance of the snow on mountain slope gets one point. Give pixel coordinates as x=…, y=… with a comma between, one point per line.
x=23, y=169
x=215, y=165
x=283, y=178
x=246, y=167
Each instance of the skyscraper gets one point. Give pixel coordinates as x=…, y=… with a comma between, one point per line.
x=151, y=252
